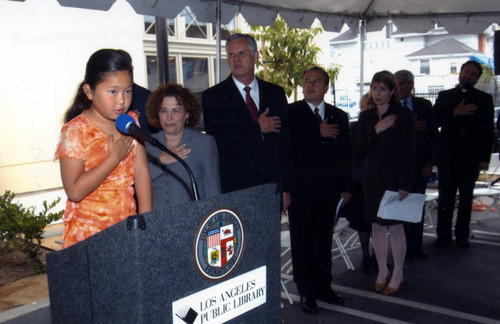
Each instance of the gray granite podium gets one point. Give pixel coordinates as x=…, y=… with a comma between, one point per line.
x=164, y=267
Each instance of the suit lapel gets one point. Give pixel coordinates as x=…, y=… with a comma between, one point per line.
x=416, y=107
x=236, y=99
x=307, y=113
x=233, y=93
x=329, y=113
x=264, y=96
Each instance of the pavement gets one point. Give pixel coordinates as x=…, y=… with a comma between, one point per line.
x=452, y=286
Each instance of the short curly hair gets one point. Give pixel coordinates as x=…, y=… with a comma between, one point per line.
x=184, y=97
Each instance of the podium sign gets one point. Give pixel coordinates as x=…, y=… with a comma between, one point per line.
x=223, y=301
x=209, y=261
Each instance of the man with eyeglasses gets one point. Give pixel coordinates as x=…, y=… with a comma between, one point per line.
x=320, y=177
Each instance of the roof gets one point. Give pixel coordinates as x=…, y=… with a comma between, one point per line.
x=345, y=36
x=446, y=46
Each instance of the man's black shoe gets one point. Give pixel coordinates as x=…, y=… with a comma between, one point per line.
x=331, y=297
x=410, y=256
x=308, y=305
x=463, y=244
x=442, y=243
x=421, y=255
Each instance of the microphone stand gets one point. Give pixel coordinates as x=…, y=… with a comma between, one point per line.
x=194, y=187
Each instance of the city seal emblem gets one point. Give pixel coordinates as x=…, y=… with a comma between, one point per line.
x=219, y=244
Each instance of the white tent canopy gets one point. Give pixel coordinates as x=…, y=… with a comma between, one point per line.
x=457, y=16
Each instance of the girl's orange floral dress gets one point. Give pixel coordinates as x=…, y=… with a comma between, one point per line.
x=113, y=200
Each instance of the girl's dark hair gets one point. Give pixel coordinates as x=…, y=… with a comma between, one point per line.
x=100, y=63
x=184, y=97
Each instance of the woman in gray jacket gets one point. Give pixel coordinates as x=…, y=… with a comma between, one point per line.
x=176, y=111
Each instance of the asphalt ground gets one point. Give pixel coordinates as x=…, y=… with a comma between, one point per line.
x=452, y=286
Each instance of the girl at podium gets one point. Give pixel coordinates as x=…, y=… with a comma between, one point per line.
x=99, y=166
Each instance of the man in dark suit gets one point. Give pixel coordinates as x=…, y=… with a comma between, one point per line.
x=465, y=115
x=321, y=173
x=247, y=117
x=138, y=105
x=140, y=96
x=426, y=140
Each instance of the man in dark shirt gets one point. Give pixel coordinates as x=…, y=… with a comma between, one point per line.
x=465, y=115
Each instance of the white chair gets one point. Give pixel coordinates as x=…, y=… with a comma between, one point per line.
x=492, y=211
x=286, y=268
x=339, y=225
x=431, y=203
x=343, y=247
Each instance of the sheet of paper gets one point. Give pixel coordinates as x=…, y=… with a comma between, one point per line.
x=408, y=209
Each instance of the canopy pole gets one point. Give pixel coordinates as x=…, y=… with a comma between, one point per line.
x=362, y=33
x=162, y=49
x=217, y=31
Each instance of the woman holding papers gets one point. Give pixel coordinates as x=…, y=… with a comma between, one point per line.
x=386, y=137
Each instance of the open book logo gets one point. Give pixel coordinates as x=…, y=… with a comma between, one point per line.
x=187, y=314
x=219, y=243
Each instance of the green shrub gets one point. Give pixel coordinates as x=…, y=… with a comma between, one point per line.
x=23, y=229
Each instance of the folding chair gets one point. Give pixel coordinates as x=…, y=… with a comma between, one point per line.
x=286, y=268
x=338, y=227
x=342, y=247
x=431, y=203
x=491, y=211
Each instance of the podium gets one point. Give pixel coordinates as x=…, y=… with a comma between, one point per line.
x=158, y=268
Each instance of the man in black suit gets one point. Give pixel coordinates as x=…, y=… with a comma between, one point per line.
x=426, y=140
x=465, y=115
x=140, y=96
x=247, y=117
x=321, y=173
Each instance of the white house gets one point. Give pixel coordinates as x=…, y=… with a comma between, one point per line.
x=434, y=58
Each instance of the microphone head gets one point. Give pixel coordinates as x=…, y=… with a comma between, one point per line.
x=123, y=121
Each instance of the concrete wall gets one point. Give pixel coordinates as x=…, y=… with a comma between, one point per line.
x=44, y=51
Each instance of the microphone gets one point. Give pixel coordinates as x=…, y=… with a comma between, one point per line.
x=126, y=124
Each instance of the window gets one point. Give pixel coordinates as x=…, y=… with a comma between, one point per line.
x=424, y=67
x=193, y=28
x=150, y=26
x=195, y=74
x=453, y=67
x=225, y=30
x=152, y=67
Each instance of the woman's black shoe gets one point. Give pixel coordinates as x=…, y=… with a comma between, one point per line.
x=463, y=244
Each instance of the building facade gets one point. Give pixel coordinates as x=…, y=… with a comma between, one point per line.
x=434, y=58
